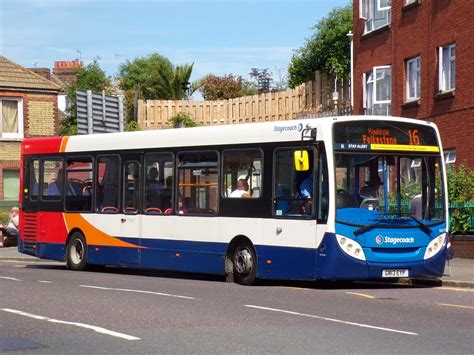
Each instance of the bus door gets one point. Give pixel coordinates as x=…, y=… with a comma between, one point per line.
x=291, y=233
x=130, y=216
x=30, y=203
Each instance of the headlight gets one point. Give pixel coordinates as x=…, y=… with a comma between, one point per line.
x=350, y=247
x=435, y=246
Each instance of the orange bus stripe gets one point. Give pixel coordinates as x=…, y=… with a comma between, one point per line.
x=64, y=141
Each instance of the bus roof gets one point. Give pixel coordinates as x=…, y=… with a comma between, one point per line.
x=266, y=132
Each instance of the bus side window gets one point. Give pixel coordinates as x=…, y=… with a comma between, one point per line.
x=34, y=179
x=159, y=171
x=323, y=184
x=53, y=179
x=131, y=181
x=242, y=173
x=79, y=184
x=198, y=182
x=293, y=190
x=108, y=192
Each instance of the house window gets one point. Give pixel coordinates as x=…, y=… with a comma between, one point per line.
x=408, y=2
x=375, y=13
x=447, y=67
x=449, y=156
x=11, y=123
x=378, y=91
x=413, y=78
x=11, y=184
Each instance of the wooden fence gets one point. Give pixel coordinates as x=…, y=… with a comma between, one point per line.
x=313, y=97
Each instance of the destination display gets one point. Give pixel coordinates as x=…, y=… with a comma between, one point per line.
x=384, y=135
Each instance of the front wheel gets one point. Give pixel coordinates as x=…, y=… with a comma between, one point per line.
x=245, y=264
x=76, y=255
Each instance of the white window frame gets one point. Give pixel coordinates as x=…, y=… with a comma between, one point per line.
x=408, y=2
x=445, y=68
x=371, y=78
x=416, y=85
x=449, y=156
x=383, y=5
x=375, y=10
x=19, y=134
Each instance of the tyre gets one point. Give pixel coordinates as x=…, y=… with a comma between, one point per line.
x=76, y=254
x=244, y=262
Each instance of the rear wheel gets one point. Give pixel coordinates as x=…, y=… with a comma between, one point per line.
x=244, y=262
x=76, y=255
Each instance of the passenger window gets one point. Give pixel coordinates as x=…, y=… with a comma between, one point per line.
x=292, y=190
x=131, y=187
x=242, y=173
x=323, y=185
x=107, y=194
x=79, y=183
x=34, y=179
x=198, y=179
x=158, y=183
x=53, y=179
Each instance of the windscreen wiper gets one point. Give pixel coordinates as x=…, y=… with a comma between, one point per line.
x=366, y=228
x=422, y=226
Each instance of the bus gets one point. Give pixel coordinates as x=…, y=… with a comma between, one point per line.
x=338, y=198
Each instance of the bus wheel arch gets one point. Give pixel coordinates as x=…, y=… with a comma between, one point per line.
x=76, y=251
x=241, y=261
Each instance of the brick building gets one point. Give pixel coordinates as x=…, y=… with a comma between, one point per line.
x=414, y=58
x=28, y=108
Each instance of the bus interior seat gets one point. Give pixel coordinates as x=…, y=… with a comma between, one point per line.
x=345, y=200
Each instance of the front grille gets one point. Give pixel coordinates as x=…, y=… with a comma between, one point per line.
x=29, y=227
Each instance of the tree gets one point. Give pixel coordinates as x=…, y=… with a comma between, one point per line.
x=155, y=77
x=460, y=191
x=213, y=87
x=328, y=49
x=221, y=87
x=93, y=78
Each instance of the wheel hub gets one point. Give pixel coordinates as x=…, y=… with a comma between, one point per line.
x=77, y=251
x=243, y=261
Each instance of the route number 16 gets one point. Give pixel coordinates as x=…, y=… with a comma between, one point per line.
x=413, y=136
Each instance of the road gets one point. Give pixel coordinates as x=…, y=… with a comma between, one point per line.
x=45, y=309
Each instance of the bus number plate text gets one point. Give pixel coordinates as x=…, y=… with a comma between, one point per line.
x=395, y=273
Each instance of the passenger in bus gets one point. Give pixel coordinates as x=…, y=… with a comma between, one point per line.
x=181, y=208
x=153, y=188
x=306, y=187
x=152, y=181
x=241, y=189
x=305, y=192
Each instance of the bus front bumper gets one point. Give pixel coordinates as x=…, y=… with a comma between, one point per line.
x=333, y=264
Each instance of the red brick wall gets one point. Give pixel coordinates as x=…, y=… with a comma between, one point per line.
x=418, y=31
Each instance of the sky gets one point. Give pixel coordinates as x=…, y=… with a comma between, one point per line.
x=218, y=36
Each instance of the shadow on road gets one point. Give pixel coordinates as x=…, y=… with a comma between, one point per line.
x=317, y=284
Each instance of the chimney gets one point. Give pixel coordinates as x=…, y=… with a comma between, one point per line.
x=44, y=72
x=65, y=70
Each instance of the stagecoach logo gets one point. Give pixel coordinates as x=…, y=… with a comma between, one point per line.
x=378, y=240
x=280, y=129
x=392, y=240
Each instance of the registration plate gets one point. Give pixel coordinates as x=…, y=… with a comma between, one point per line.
x=395, y=273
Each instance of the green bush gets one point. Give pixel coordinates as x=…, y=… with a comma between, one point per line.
x=460, y=190
x=4, y=217
x=182, y=119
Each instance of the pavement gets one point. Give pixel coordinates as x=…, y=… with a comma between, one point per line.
x=458, y=272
